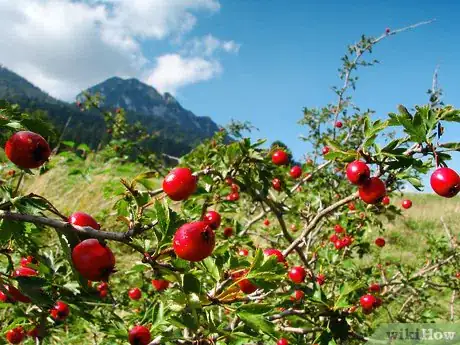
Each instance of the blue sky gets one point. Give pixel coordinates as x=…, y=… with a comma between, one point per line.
x=255, y=60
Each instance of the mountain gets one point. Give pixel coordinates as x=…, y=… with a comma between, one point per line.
x=179, y=130
x=145, y=101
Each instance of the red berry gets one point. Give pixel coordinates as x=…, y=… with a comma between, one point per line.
x=358, y=172
x=293, y=227
x=194, y=241
x=378, y=302
x=282, y=341
x=275, y=252
x=351, y=206
x=320, y=279
x=103, y=293
x=243, y=252
x=338, y=229
x=93, y=260
x=346, y=241
x=60, y=311
x=280, y=157
x=24, y=272
x=229, y=181
x=367, y=301
x=386, y=200
x=3, y=297
x=338, y=244
x=372, y=191
x=295, y=171
x=83, y=219
x=380, y=242
x=333, y=238
x=374, y=287
x=15, y=335
x=266, y=222
x=246, y=286
x=326, y=150
x=233, y=196
x=339, y=124
x=139, y=335
x=213, y=219
x=135, y=294
x=15, y=294
x=102, y=286
x=33, y=333
x=457, y=275
x=406, y=204
x=160, y=284
x=179, y=184
x=235, y=188
x=228, y=232
x=25, y=262
x=299, y=294
x=27, y=150
x=297, y=274
x=445, y=182
x=276, y=184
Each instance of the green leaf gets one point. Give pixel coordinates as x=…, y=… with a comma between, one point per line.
x=191, y=283
x=210, y=265
x=257, y=322
x=255, y=308
x=162, y=213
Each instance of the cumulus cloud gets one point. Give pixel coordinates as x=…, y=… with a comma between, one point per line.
x=209, y=45
x=64, y=46
x=173, y=71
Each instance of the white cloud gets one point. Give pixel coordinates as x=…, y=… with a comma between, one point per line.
x=209, y=45
x=173, y=71
x=64, y=46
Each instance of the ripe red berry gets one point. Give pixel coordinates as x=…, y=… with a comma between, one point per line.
x=338, y=229
x=103, y=293
x=235, y=188
x=406, y=204
x=228, y=232
x=243, y=252
x=179, y=184
x=358, y=172
x=378, y=302
x=351, y=206
x=386, y=200
x=266, y=222
x=326, y=150
x=282, y=341
x=293, y=227
x=93, y=260
x=160, y=284
x=102, y=286
x=135, y=294
x=333, y=238
x=320, y=279
x=280, y=157
x=445, y=182
x=339, y=124
x=229, y=181
x=139, y=335
x=374, y=287
x=24, y=272
x=457, y=275
x=15, y=294
x=380, y=242
x=25, y=262
x=15, y=335
x=299, y=294
x=233, y=196
x=83, y=219
x=276, y=184
x=367, y=301
x=297, y=274
x=33, y=333
x=3, y=297
x=275, y=252
x=194, y=241
x=338, y=244
x=60, y=311
x=246, y=286
x=27, y=150
x=295, y=171
x=346, y=241
x=213, y=219
x=372, y=191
